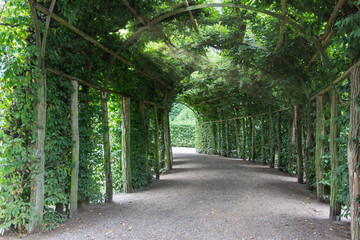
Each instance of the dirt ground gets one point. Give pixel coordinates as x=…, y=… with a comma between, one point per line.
x=208, y=197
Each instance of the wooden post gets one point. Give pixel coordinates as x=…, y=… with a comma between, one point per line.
x=157, y=144
x=298, y=133
x=38, y=146
x=167, y=146
x=143, y=119
x=212, y=138
x=308, y=141
x=106, y=146
x=353, y=155
x=263, y=159
x=227, y=139
x=292, y=142
x=125, y=145
x=237, y=138
x=219, y=138
x=279, y=140
x=335, y=206
x=320, y=146
x=244, y=140
x=271, y=143
x=75, y=148
x=253, y=139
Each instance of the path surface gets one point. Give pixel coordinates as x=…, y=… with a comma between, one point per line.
x=208, y=197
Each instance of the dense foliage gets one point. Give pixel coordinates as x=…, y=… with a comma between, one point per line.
x=229, y=63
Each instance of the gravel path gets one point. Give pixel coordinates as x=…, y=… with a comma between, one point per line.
x=208, y=197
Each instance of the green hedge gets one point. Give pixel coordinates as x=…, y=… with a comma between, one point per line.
x=182, y=135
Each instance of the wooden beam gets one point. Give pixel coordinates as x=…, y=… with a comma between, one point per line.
x=332, y=19
x=94, y=86
x=192, y=19
x=282, y=25
x=337, y=81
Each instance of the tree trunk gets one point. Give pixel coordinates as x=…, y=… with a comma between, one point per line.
x=263, y=159
x=227, y=139
x=75, y=149
x=253, y=139
x=298, y=133
x=353, y=155
x=143, y=119
x=335, y=206
x=167, y=146
x=320, y=147
x=38, y=151
x=237, y=138
x=106, y=145
x=271, y=143
x=279, y=140
x=125, y=145
x=292, y=144
x=157, y=144
x=244, y=140
x=309, y=139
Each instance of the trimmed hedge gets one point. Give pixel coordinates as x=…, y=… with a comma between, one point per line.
x=182, y=135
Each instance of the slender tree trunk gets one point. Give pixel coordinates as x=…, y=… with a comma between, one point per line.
x=253, y=139
x=227, y=139
x=38, y=147
x=166, y=141
x=292, y=143
x=106, y=146
x=263, y=158
x=271, y=142
x=279, y=140
x=125, y=145
x=212, y=138
x=146, y=152
x=298, y=133
x=38, y=164
x=157, y=144
x=237, y=138
x=75, y=148
x=320, y=147
x=244, y=139
x=219, y=138
x=335, y=206
x=353, y=155
x=309, y=139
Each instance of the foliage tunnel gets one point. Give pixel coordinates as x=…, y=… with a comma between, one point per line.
x=87, y=86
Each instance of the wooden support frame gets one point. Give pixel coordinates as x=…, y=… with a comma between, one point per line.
x=75, y=149
x=335, y=206
x=353, y=154
x=165, y=125
x=157, y=143
x=271, y=143
x=320, y=147
x=298, y=134
x=126, y=138
x=98, y=44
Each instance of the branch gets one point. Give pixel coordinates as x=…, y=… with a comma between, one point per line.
x=98, y=44
x=282, y=26
x=332, y=19
x=191, y=17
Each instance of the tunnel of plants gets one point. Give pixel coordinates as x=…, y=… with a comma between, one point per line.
x=87, y=87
